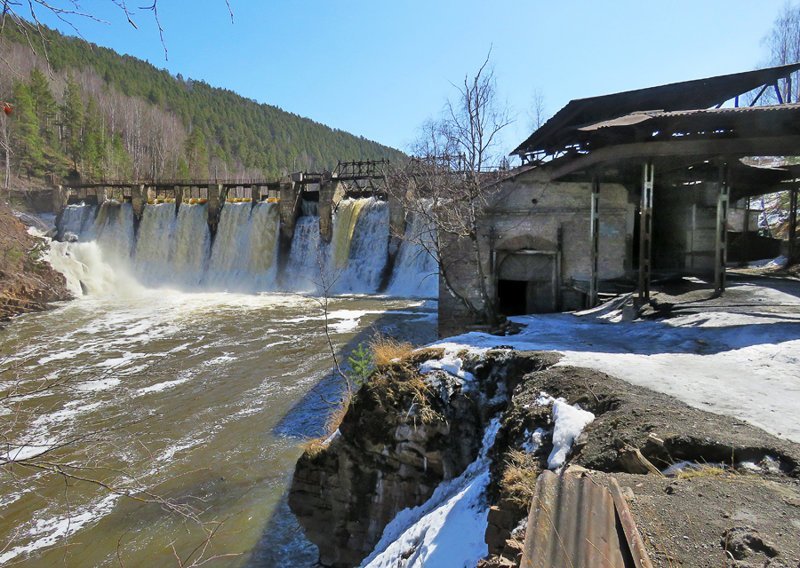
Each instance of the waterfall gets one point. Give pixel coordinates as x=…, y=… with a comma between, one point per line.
x=190, y=245
x=76, y=220
x=245, y=249
x=367, y=250
x=113, y=229
x=306, y=270
x=156, y=233
x=172, y=250
x=176, y=250
x=344, y=225
x=416, y=271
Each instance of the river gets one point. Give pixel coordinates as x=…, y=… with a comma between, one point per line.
x=180, y=410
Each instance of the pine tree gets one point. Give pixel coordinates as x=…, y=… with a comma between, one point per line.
x=197, y=154
x=25, y=139
x=44, y=104
x=72, y=120
x=94, y=141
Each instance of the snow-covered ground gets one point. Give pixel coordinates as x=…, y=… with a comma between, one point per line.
x=718, y=359
x=745, y=365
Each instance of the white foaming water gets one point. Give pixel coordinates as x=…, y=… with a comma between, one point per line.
x=308, y=257
x=78, y=220
x=244, y=252
x=367, y=250
x=87, y=272
x=416, y=272
x=175, y=250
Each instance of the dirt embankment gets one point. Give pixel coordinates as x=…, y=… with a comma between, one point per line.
x=27, y=282
x=737, y=505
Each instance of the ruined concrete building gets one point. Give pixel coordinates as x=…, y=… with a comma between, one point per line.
x=619, y=189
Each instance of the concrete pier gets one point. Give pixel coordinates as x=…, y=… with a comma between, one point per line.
x=331, y=192
x=289, y=209
x=216, y=198
x=139, y=196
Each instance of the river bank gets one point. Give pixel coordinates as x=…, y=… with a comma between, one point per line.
x=412, y=471
x=27, y=282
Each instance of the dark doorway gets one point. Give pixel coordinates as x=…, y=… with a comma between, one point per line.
x=513, y=296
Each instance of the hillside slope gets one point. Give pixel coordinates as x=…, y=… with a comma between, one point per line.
x=88, y=110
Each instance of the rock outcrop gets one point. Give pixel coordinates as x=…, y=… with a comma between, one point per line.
x=27, y=283
x=403, y=434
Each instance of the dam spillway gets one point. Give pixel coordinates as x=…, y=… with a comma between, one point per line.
x=175, y=247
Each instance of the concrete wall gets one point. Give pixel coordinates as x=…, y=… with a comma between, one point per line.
x=529, y=212
x=684, y=229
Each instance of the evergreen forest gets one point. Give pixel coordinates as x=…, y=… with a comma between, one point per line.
x=77, y=110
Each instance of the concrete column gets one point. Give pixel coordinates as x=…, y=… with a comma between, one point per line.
x=793, y=252
x=289, y=211
x=721, y=244
x=330, y=193
x=178, y=191
x=594, y=240
x=397, y=223
x=397, y=230
x=138, y=200
x=60, y=199
x=255, y=195
x=646, y=232
x=216, y=199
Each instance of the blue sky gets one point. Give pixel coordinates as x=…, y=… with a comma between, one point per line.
x=379, y=68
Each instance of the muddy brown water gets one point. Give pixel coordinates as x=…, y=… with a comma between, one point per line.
x=200, y=399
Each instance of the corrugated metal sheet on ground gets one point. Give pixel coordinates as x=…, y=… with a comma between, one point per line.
x=573, y=524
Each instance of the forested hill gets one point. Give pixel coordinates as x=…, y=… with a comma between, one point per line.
x=108, y=116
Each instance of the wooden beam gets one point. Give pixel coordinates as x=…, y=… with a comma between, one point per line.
x=705, y=148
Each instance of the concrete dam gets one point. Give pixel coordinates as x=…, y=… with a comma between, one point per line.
x=317, y=239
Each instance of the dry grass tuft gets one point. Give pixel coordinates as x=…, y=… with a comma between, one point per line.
x=702, y=471
x=519, y=477
x=314, y=446
x=385, y=350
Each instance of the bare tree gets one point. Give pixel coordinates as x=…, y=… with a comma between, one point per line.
x=538, y=111
x=783, y=43
x=26, y=15
x=451, y=183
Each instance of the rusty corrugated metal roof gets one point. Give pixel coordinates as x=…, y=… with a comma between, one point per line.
x=642, y=116
x=697, y=94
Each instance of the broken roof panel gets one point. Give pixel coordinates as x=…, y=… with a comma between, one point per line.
x=687, y=95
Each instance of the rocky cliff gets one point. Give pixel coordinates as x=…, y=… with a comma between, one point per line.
x=403, y=434
x=27, y=283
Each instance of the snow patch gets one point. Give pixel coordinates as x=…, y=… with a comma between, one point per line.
x=448, y=529
x=533, y=441
x=569, y=422
x=697, y=358
x=449, y=363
